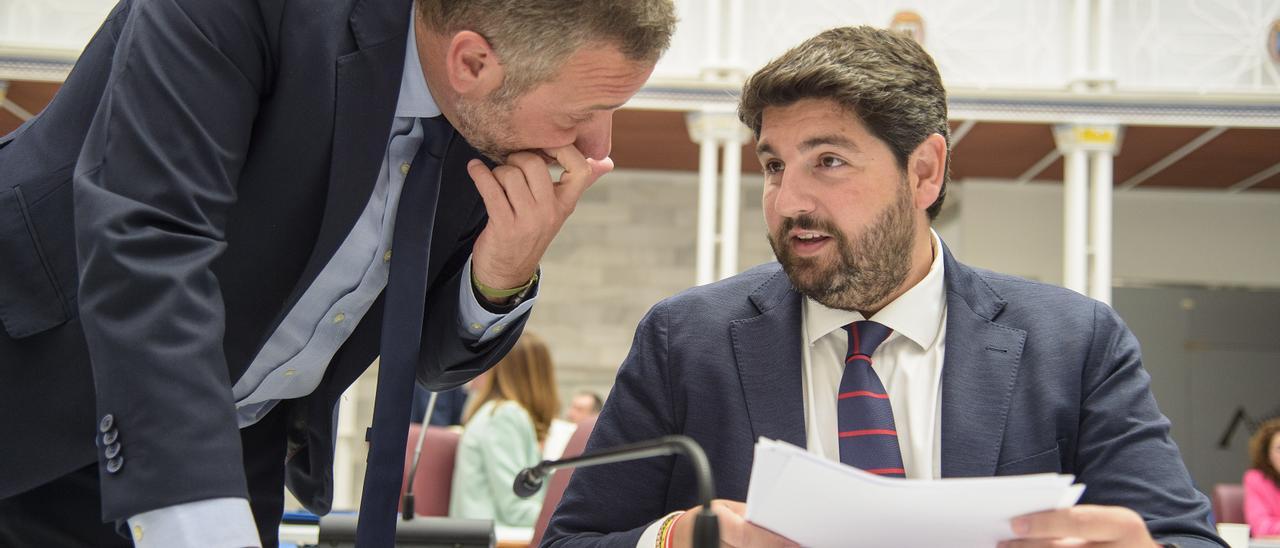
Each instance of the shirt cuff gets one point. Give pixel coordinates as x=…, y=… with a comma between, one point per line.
x=479, y=324
x=222, y=522
x=649, y=539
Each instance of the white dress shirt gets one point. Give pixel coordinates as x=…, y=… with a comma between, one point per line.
x=294, y=359
x=909, y=364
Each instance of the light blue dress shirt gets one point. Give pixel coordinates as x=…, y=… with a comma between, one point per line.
x=294, y=359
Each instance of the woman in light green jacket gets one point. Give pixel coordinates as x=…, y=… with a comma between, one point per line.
x=506, y=421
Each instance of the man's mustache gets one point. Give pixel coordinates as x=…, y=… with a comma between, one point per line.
x=807, y=222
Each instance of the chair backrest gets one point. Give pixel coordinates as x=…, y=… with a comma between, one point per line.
x=560, y=479
x=434, y=479
x=1228, y=502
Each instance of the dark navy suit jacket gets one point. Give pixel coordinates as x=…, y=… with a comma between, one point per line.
x=221, y=153
x=1035, y=378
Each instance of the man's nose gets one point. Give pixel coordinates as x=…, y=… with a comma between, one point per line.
x=595, y=138
x=792, y=198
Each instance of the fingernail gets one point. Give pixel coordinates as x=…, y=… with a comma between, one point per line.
x=1021, y=526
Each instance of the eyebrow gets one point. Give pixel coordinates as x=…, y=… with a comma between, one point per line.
x=814, y=142
x=607, y=107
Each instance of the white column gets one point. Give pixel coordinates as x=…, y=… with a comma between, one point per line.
x=1104, y=15
x=730, y=208
x=733, y=50
x=1080, y=34
x=1075, y=216
x=1100, y=225
x=711, y=35
x=1079, y=142
x=706, y=246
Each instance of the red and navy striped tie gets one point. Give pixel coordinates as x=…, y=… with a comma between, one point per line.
x=868, y=438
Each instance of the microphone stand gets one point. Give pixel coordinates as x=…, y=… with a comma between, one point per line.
x=706, y=528
x=406, y=512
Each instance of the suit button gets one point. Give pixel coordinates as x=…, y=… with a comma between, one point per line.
x=112, y=451
x=115, y=464
x=107, y=422
x=110, y=437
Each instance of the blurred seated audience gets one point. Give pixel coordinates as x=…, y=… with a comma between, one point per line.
x=1262, y=482
x=505, y=424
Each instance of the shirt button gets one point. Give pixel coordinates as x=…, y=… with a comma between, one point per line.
x=339, y=317
x=476, y=327
x=404, y=168
x=290, y=372
x=386, y=257
x=137, y=533
x=497, y=329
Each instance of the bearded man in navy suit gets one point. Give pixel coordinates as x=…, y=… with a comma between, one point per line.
x=268, y=194
x=977, y=373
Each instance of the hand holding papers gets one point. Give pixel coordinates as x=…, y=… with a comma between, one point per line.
x=816, y=502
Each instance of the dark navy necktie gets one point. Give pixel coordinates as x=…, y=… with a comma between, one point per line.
x=404, y=302
x=868, y=437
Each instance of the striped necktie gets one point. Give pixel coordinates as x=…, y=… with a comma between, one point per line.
x=868, y=438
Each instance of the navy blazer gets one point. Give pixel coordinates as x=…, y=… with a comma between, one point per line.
x=221, y=153
x=1035, y=378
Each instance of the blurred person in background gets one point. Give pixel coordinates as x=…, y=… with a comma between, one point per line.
x=505, y=425
x=585, y=404
x=1262, y=481
x=448, y=410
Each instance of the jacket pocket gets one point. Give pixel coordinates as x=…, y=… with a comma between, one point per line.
x=37, y=276
x=1041, y=462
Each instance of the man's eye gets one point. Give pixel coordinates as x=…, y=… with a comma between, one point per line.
x=830, y=161
x=772, y=166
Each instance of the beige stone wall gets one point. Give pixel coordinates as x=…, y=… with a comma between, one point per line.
x=630, y=243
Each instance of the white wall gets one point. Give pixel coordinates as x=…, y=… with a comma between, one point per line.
x=1160, y=236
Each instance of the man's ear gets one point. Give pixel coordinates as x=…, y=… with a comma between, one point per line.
x=926, y=170
x=472, y=65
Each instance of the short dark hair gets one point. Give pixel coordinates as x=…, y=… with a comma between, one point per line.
x=596, y=403
x=534, y=37
x=1260, y=449
x=883, y=77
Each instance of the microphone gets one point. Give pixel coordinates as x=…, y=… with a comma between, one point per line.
x=406, y=512
x=706, y=528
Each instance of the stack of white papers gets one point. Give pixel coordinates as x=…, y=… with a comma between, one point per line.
x=817, y=502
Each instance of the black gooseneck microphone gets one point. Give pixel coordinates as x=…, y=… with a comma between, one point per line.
x=706, y=528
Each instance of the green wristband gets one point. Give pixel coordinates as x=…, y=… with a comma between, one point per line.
x=494, y=293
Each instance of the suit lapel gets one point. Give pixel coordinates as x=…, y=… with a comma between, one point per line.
x=767, y=350
x=460, y=213
x=368, y=86
x=978, y=373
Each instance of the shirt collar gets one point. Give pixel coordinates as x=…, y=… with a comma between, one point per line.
x=916, y=314
x=415, y=98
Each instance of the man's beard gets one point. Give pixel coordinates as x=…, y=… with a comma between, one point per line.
x=486, y=124
x=863, y=273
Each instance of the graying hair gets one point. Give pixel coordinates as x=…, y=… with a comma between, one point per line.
x=532, y=38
